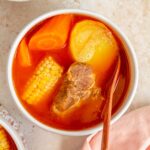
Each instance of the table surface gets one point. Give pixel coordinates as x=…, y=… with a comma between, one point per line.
x=133, y=18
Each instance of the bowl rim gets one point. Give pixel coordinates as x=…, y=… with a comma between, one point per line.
x=131, y=52
x=14, y=135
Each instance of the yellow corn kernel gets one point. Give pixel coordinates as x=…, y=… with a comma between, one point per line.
x=46, y=75
x=4, y=143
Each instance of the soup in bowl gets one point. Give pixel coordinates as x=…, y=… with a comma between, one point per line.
x=9, y=139
x=60, y=68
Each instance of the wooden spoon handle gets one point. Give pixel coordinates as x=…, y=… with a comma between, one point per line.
x=108, y=109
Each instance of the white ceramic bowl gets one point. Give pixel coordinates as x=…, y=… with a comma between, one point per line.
x=14, y=135
x=129, y=52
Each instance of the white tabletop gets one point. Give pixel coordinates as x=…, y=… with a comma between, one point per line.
x=133, y=17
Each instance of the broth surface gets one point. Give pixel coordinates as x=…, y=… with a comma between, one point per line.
x=64, y=58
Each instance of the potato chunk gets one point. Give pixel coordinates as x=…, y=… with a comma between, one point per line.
x=92, y=42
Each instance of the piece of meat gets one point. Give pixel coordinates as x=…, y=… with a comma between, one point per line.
x=77, y=87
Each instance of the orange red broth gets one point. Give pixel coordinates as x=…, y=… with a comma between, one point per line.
x=11, y=142
x=64, y=58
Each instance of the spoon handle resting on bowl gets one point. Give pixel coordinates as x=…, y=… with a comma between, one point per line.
x=108, y=106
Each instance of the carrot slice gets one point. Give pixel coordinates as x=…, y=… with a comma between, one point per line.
x=92, y=42
x=23, y=54
x=53, y=34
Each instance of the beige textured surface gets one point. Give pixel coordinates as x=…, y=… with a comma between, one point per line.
x=132, y=16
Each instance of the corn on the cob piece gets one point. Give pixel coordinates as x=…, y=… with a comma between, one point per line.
x=46, y=75
x=4, y=143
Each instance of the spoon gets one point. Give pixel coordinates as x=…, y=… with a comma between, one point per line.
x=108, y=107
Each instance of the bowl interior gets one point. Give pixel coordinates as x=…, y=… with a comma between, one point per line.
x=128, y=50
